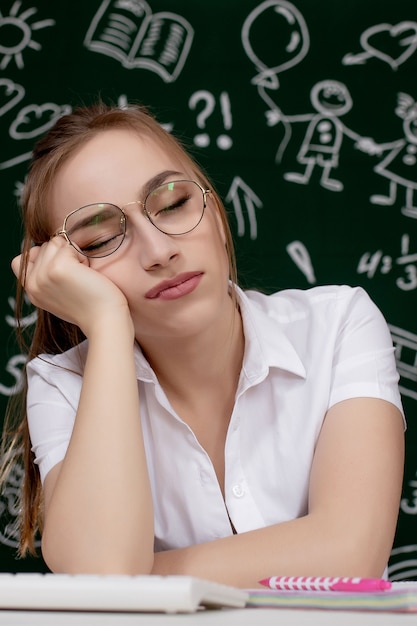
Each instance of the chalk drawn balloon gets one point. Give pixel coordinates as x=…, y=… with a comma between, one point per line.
x=275, y=38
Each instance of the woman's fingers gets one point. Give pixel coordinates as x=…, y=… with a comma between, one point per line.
x=33, y=255
x=16, y=265
x=58, y=279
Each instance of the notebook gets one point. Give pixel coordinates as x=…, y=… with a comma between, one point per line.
x=63, y=592
x=401, y=598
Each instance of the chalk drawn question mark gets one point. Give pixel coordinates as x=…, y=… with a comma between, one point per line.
x=202, y=140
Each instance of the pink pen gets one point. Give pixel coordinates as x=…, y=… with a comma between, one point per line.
x=310, y=583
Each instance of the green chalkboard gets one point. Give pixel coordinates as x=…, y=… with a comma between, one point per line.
x=303, y=113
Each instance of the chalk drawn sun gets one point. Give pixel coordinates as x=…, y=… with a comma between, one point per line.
x=16, y=34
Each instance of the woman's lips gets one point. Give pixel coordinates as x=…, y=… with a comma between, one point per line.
x=177, y=287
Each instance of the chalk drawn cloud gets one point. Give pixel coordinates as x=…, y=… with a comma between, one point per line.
x=33, y=120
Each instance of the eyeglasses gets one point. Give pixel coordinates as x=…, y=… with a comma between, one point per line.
x=97, y=230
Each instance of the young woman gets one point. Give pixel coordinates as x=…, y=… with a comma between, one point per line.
x=178, y=424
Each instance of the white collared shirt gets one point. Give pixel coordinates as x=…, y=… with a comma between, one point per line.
x=304, y=351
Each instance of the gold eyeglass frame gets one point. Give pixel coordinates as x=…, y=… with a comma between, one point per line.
x=63, y=231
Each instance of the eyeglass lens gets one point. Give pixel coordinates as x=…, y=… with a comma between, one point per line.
x=98, y=230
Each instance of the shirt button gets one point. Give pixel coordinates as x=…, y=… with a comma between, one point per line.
x=238, y=491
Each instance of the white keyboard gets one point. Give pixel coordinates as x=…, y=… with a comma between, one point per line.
x=63, y=592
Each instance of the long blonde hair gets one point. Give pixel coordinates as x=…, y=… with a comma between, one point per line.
x=52, y=335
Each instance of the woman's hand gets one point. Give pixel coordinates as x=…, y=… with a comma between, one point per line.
x=59, y=280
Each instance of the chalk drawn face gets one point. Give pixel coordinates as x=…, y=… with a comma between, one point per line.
x=275, y=38
x=410, y=129
x=331, y=98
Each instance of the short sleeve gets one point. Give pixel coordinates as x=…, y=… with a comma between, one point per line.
x=52, y=400
x=364, y=361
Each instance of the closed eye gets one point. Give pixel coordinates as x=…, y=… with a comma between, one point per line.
x=175, y=206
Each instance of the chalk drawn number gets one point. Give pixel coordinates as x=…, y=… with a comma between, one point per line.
x=411, y=283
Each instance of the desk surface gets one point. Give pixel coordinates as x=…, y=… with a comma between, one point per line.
x=227, y=617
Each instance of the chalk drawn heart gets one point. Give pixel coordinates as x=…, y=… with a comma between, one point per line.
x=392, y=44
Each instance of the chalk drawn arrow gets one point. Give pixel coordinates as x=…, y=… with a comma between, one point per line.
x=241, y=192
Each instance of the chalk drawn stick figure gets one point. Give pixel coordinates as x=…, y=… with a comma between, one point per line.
x=323, y=139
x=399, y=165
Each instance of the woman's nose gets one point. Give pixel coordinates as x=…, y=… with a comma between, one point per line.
x=155, y=248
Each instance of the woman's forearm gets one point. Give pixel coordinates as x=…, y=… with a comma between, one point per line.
x=99, y=515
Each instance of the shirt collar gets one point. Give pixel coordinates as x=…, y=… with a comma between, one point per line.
x=144, y=371
x=266, y=342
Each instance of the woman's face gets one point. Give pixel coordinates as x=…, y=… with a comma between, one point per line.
x=174, y=285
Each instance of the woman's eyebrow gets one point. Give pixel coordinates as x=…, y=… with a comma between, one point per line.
x=158, y=180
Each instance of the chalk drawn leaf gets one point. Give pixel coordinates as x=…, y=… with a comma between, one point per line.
x=391, y=44
x=10, y=94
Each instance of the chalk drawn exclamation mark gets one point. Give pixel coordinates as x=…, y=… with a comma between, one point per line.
x=299, y=254
x=224, y=142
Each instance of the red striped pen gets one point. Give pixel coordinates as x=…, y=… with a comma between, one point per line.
x=310, y=583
